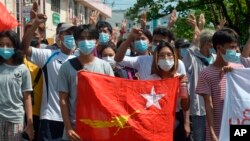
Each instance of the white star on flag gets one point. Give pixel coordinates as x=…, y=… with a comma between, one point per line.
x=152, y=98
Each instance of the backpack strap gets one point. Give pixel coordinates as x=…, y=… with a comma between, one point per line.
x=203, y=60
x=38, y=76
x=45, y=72
x=76, y=64
x=53, y=55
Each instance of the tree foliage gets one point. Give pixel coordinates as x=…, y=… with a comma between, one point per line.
x=236, y=13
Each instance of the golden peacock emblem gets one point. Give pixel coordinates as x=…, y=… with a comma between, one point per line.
x=118, y=121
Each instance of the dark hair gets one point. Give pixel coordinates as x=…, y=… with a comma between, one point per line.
x=182, y=43
x=58, y=27
x=155, y=68
x=45, y=41
x=119, y=42
x=110, y=44
x=103, y=24
x=147, y=34
x=88, y=29
x=225, y=35
x=18, y=56
x=164, y=32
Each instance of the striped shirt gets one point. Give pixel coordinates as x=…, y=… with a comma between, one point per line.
x=213, y=82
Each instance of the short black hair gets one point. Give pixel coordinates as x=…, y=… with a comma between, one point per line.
x=89, y=29
x=148, y=34
x=18, y=55
x=103, y=24
x=109, y=44
x=164, y=32
x=182, y=43
x=225, y=35
x=58, y=27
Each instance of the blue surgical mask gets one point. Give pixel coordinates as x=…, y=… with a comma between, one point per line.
x=212, y=51
x=128, y=52
x=86, y=46
x=183, y=52
x=210, y=59
x=6, y=53
x=154, y=47
x=231, y=56
x=69, y=42
x=141, y=46
x=103, y=37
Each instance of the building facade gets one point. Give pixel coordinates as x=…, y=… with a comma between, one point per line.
x=68, y=11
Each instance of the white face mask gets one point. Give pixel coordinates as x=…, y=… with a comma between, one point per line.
x=110, y=60
x=166, y=64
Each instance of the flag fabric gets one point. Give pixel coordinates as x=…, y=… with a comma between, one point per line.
x=236, y=110
x=116, y=109
x=7, y=21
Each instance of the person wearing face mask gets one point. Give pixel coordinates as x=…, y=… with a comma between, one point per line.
x=165, y=64
x=105, y=31
x=86, y=38
x=143, y=63
x=16, y=88
x=211, y=83
x=108, y=53
x=196, y=59
x=182, y=46
x=51, y=122
x=57, y=43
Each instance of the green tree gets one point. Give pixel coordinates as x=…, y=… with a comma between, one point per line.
x=236, y=13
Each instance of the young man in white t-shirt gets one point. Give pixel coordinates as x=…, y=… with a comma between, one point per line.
x=51, y=123
x=86, y=37
x=143, y=63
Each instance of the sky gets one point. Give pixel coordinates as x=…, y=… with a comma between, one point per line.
x=120, y=4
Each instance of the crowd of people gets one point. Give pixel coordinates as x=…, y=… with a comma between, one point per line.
x=39, y=81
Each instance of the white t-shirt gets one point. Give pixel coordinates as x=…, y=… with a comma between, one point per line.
x=50, y=108
x=143, y=65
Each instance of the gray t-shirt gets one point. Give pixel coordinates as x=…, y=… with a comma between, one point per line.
x=67, y=80
x=14, y=80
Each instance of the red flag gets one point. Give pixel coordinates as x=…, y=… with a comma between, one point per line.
x=7, y=21
x=116, y=109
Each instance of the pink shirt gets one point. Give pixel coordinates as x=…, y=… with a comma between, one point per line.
x=213, y=82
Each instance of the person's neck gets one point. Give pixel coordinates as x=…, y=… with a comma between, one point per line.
x=219, y=62
x=204, y=51
x=144, y=53
x=166, y=74
x=86, y=59
x=9, y=62
x=66, y=51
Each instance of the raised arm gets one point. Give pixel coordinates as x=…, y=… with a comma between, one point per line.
x=246, y=50
x=172, y=19
x=123, y=29
x=196, y=34
x=31, y=27
x=143, y=20
x=201, y=22
x=94, y=17
x=124, y=46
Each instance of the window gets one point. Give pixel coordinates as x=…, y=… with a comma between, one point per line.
x=55, y=5
x=81, y=15
x=71, y=10
x=86, y=15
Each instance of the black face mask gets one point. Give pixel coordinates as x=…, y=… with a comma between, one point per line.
x=34, y=42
